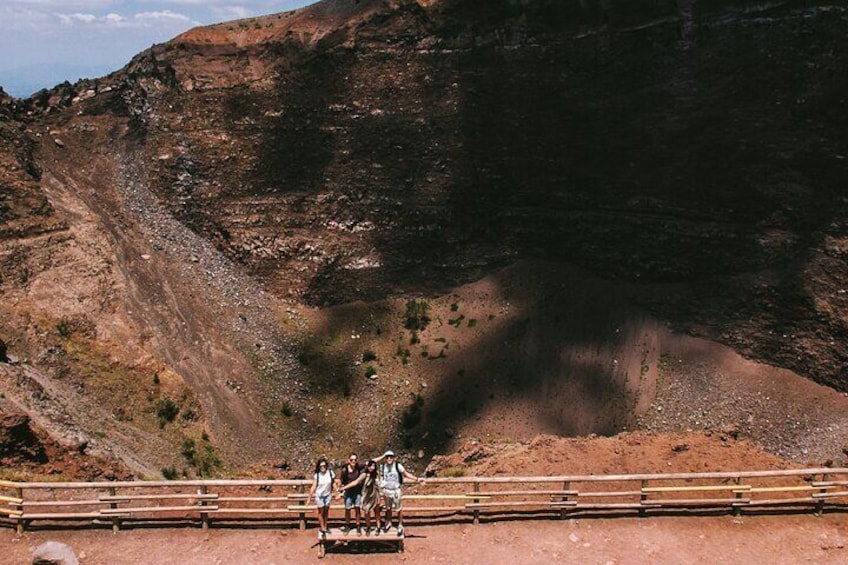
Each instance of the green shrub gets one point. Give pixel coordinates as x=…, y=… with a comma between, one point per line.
x=417, y=315
x=454, y=307
x=287, y=410
x=370, y=371
x=472, y=322
x=456, y=321
x=368, y=356
x=169, y=473
x=64, y=329
x=454, y=472
x=166, y=411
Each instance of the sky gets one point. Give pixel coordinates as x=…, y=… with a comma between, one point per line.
x=44, y=42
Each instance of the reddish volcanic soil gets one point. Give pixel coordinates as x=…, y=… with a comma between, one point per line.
x=672, y=540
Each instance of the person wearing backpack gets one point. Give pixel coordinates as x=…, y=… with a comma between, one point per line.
x=322, y=491
x=392, y=475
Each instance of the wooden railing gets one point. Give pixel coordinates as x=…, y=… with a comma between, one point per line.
x=464, y=498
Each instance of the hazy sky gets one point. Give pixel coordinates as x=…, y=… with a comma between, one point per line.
x=44, y=40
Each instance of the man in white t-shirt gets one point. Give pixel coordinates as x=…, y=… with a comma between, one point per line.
x=392, y=475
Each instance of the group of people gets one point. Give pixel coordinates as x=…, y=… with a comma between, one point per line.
x=367, y=489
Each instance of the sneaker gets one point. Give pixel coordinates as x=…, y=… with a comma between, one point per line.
x=358, y=531
x=367, y=531
x=387, y=527
x=400, y=531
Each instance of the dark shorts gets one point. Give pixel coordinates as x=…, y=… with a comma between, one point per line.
x=353, y=500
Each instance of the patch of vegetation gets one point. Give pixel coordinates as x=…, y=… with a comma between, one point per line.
x=156, y=380
x=440, y=340
x=370, y=371
x=202, y=459
x=64, y=329
x=454, y=472
x=403, y=353
x=472, y=322
x=287, y=410
x=169, y=473
x=456, y=321
x=414, y=339
x=454, y=307
x=166, y=411
x=417, y=315
x=368, y=355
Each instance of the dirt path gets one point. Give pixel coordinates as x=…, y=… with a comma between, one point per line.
x=799, y=538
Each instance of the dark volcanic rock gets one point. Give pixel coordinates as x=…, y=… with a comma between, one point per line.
x=19, y=441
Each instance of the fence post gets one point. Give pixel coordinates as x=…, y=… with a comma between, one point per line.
x=476, y=501
x=737, y=509
x=21, y=525
x=642, y=498
x=563, y=512
x=820, y=503
x=116, y=522
x=204, y=516
x=301, y=502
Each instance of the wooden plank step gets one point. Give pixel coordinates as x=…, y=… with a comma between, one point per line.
x=336, y=535
x=11, y=499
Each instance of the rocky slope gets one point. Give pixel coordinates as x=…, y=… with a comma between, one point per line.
x=247, y=208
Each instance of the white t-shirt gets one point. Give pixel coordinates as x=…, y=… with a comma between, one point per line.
x=391, y=475
x=325, y=483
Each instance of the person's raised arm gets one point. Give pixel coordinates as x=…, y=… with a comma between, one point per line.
x=359, y=480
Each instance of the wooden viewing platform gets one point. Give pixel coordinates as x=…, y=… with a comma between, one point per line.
x=338, y=538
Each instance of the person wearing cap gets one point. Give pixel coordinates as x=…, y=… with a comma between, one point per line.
x=392, y=475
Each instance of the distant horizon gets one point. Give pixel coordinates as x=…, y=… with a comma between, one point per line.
x=53, y=41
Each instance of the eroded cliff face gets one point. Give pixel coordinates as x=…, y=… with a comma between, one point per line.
x=691, y=154
x=355, y=150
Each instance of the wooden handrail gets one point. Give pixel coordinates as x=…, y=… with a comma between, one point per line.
x=216, y=499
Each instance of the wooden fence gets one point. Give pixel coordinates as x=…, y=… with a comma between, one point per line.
x=285, y=502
